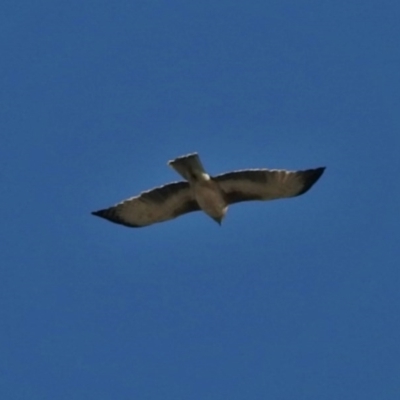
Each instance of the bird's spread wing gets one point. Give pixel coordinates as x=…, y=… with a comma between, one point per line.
x=156, y=205
x=263, y=184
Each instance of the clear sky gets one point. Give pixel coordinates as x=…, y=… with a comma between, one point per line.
x=292, y=299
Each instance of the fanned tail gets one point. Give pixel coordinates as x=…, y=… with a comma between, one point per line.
x=189, y=166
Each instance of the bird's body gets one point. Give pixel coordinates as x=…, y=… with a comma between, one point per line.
x=213, y=195
x=205, y=190
x=210, y=199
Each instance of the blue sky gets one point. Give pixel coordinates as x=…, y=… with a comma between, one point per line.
x=293, y=299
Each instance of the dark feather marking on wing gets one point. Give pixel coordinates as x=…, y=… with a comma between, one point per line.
x=257, y=175
x=110, y=214
x=237, y=197
x=309, y=178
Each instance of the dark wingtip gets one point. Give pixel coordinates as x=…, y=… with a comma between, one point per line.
x=109, y=214
x=106, y=214
x=99, y=213
x=310, y=177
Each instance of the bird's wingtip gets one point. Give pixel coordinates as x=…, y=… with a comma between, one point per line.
x=318, y=172
x=311, y=176
x=99, y=213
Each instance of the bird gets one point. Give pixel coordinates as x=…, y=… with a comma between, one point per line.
x=211, y=194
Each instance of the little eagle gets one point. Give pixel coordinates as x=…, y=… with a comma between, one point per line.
x=211, y=194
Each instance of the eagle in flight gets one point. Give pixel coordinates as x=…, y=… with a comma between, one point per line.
x=212, y=194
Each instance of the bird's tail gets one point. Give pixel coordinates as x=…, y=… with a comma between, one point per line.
x=188, y=166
